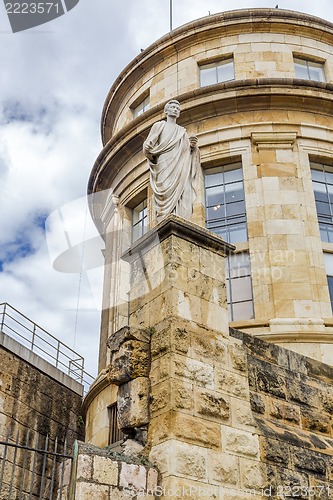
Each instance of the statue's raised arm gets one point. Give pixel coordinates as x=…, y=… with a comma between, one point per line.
x=174, y=162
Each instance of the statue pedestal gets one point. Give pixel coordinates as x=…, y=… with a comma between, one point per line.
x=178, y=293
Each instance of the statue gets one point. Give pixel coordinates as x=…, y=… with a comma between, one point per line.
x=174, y=161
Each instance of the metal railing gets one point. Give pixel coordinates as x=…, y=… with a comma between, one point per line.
x=37, y=469
x=17, y=326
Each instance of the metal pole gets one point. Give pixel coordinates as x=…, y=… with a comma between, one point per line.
x=170, y=16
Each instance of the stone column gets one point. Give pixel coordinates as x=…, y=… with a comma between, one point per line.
x=178, y=293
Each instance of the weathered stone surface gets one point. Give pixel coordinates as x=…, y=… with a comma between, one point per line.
x=84, y=467
x=309, y=461
x=232, y=383
x=303, y=393
x=195, y=430
x=270, y=379
x=240, y=442
x=253, y=474
x=133, y=476
x=128, y=333
x=133, y=403
x=87, y=491
x=132, y=360
x=275, y=451
x=131, y=448
x=257, y=403
x=182, y=395
x=242, y=415
x=284, y=411
x=105, y=471
x=312, y=420
x=161, y=342
x=189, y=461
x=192, y=369
x=223, y=468
x=160, y=396
x=238, y=357
x=210, y=346
x=211, y=404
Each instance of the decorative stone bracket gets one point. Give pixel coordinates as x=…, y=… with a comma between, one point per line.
x=129, y=369
x=273, y=140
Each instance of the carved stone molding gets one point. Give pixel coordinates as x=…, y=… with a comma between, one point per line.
x=273, y=140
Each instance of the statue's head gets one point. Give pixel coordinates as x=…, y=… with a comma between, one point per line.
x=172, y=108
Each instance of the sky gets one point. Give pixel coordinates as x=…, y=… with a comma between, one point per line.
x=54, y=79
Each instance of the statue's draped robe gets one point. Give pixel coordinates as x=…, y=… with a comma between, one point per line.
x=173, y=170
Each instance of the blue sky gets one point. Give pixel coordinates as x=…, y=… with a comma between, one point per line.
x=53, y=83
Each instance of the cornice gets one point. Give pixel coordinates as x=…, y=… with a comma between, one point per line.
x=225, y=23
x=205, y=102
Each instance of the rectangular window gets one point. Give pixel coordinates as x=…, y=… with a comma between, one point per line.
x=309, y=70
x=115, y=434
x=329, y=272
x=322, y=181
x=225, y=203
x=142, y=107
x=216, y=72
x=239, y=287
x=139, y=220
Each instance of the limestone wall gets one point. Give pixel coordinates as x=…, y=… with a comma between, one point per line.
x=32, y=403
x=261, y=49
x=291, y=399
x=104, y=475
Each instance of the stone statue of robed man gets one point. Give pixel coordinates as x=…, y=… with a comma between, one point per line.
x=174, y=161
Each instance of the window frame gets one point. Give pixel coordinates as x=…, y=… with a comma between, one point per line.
x=141, y=107
x=216, y=63
x=116, y=436
x=309, y=63
x=227, y=223
x=142, y=222
x=325, y=221
x=239, y=274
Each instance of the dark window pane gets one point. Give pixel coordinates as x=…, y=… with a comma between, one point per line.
x=234, y=192
x=323, y=208
x=321, y=196
x=235, y=208
x=215, y=179
x=330, y=287
x=237, y=233
x=216, y=213
x=214, y=196
x=233, y=175
x=317, y=175
x=328, y=176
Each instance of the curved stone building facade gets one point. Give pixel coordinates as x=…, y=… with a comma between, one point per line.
x=255, y=86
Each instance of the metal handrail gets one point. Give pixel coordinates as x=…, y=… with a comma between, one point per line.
x=41, y=342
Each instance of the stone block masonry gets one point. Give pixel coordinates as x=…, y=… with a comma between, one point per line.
x=220, y=414
x=106, y=475
x=291, y=399
x=34, y=405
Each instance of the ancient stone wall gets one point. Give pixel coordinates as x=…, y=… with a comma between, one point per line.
x=292, y=402
x=106, y=475
x=32, y=406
